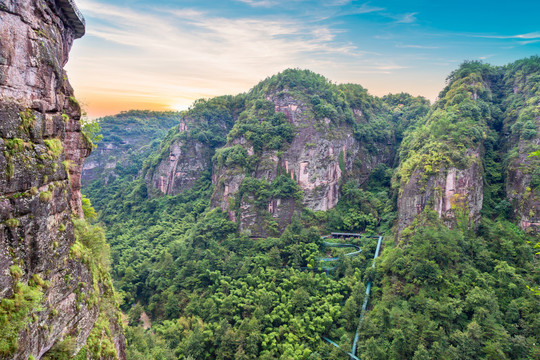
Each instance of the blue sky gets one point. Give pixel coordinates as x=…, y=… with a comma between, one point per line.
x=144, y=54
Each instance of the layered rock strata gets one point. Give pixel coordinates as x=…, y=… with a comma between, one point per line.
x=41, y=154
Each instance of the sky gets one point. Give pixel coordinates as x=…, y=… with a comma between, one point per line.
x=164, y=54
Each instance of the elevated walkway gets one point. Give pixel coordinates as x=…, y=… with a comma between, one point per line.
x=352, y=353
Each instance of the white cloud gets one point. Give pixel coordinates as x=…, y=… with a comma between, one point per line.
x=365, y=9
x=408, y=18
x=177, y=56
x=529, y=42
x=270, y=3
x=340, y=2
x=533, y=35
x=259, y=3
x=417, y=47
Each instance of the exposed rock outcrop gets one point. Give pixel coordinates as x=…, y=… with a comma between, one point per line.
x=526, y=198
x=312, y=160
x=41, y=154
x=445, y=192
x=186, y=153
x=322, y=151
x=441, y=160
x=523, y=126
x=522, y=194
x=184, y=166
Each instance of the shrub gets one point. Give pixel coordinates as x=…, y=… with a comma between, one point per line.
x=55, y=147
x=12, y=223
x=45, y=196
x=28, y=118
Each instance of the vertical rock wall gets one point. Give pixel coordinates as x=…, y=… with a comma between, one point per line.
x=41, y=155
x=523, y=125
x=319, y=157
x=441, y=158
x=449, y=190
x=184, y=165
x=524, y=196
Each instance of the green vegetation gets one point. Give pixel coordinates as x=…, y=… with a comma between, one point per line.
x=454, y=294
x=15, y=145
x=91, y=133
x=215, y=294
x=16, y=311
x=73, y=100
x=55, y=147
x=92, y=248
x=12, y=223
x=45, y=196
x=62, y=350
x=230, y=156
x=88, y=209
x=458, y=123
x=142, y=128
x=521, y=121
x=212, y=292
x=262, y=127
x=28, y=118
x=283, y=187
x=365, y=209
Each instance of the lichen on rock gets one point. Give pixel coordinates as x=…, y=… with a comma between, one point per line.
x=38, y=193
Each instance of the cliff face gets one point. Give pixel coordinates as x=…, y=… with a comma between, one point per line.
x=522, y=123
x=42, y=285
x=184, y=165
x=292, y=142
x=441, y=160
x=444, y=192
x=287, y=145
x=186, y=152
x=292, y=147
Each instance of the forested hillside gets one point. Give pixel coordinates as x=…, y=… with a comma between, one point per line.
x=216, y=235
x=127, y=139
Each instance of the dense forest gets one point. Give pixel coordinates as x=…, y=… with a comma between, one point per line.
x=125, y=140
x=228, y=264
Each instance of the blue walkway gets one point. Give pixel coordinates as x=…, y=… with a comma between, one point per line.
x=352, y=354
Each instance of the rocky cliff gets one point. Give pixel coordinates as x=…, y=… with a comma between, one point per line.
x=287, y=145
x=49, y=291
x=522, y=124
x=187, y=151
x=290, y=143
x=293, y=146
x=443, y=160
x=441, y=164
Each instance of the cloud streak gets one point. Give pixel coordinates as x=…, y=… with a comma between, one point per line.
x=417, y=47
x=259, y=3
x=528, y=36
x=408, y=18
x=179, y=55
x=363, y=9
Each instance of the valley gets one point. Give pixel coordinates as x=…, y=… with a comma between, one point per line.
x=215, y=234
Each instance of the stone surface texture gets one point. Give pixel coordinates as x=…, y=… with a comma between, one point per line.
x=524, y=197
x=42, y=151
x=312, y=160
x=445, y=192
x=183, y=166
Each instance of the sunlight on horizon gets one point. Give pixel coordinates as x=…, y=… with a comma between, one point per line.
x=164, y=56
